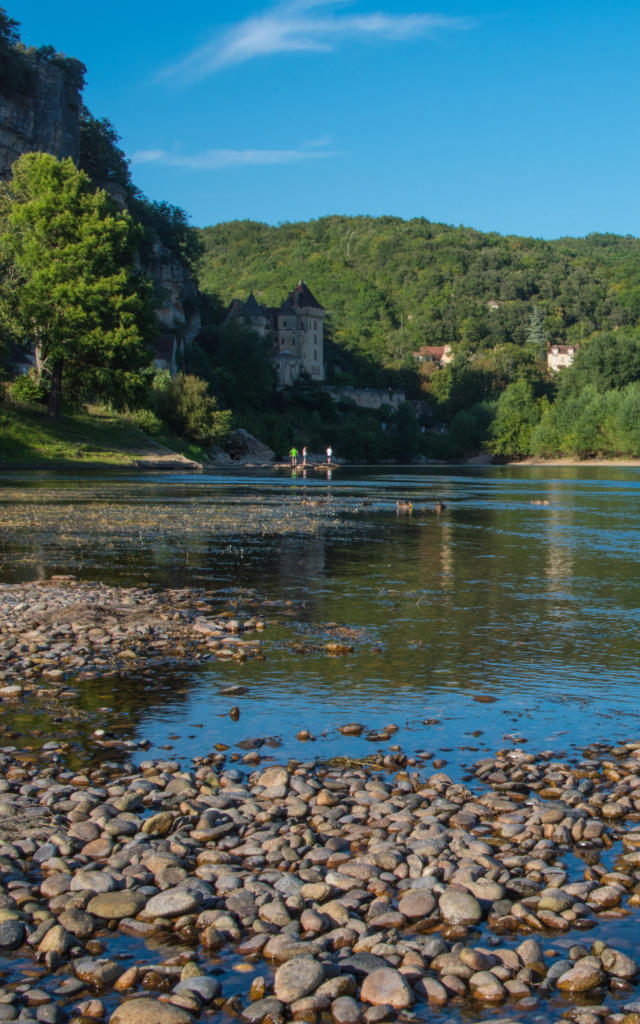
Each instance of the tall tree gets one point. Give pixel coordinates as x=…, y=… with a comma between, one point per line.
x=517, y=414
x=67, y=276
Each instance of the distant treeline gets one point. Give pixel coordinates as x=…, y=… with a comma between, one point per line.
x=392, y=285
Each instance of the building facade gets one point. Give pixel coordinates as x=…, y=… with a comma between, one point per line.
x=297, y=328
x=559, y=356
x=441, y=355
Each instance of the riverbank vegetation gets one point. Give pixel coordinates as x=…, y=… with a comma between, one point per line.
x=94, y=436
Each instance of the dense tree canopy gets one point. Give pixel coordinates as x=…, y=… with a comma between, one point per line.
x=68, y=283
x=392, y=285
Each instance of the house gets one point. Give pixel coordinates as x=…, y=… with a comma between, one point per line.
x=438, y=354
x=559, y=356
x=297, y=328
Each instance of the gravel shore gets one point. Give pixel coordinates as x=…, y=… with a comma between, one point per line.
x=356, y=892
x=63, y=628
x=349, y=892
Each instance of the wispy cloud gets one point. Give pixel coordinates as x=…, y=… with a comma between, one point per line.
x=220, y=159
x=294, y=26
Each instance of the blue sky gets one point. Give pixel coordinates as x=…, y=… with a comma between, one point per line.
x=520, y=118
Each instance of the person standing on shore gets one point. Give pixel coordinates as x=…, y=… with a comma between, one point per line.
x=304, y=455
x=293, y=454
x=329, y=454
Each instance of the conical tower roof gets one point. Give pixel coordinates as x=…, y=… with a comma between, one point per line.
x=301, y=296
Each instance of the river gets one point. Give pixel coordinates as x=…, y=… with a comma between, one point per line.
x=510, y=617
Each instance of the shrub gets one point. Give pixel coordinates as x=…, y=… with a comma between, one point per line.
x=186, y=406
x=28, y=389
x=146, y=420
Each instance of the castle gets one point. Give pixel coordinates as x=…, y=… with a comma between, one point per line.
x=297, y=327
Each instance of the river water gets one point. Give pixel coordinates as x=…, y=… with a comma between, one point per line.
x=512, y=616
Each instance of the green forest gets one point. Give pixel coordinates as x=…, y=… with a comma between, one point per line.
x=392, y=286
x=75, y=290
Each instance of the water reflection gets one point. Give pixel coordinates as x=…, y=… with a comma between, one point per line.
x=533, y=606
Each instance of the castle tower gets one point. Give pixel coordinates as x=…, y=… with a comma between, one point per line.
x=298, y=330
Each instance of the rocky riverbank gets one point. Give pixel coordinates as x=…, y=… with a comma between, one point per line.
x=352, y=892
x=62, y=629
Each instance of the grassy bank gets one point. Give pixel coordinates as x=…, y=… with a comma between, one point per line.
x=96, y=438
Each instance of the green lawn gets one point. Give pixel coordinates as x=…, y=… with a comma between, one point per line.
x=97, y=437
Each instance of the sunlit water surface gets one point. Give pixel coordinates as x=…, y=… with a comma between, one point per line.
x=498, y=621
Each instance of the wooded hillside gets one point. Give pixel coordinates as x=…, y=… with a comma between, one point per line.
x=392, y=285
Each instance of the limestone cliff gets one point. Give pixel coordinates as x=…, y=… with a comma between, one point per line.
x=176, y=296
x=46, y=118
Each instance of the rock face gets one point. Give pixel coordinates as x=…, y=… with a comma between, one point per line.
x=243, y=447
x=46, y=119
x=177, y=303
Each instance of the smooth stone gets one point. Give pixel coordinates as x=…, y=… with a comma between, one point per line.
x=149, y=1011
x=94, y=881
x=297, y=978
x=158, y=824
x=386, y=986
x=276, y=775
x=12, y=934
x=173, y=903
x=205, y=987
x=256, y=1012
x=416, y=904
x=115, y=905
x=586, y=974
x=487, y=988
x=530, y=952
x=555, y=900
x=362, y=964
x=459, y=908
x=97, y=972
x=56, y=940
x=379, y=1014
x=77, y=922
x=432, y=991
x=618, y=964
x=346, y=1010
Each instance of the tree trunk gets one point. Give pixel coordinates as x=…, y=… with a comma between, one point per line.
x=55, y=395
x=39, y=361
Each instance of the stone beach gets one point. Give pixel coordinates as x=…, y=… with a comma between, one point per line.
x=353, y=891
x=64, y=628
x=345, y=892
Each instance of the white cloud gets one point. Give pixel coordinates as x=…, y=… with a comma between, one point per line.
x=301, y=25
x=220, y=159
